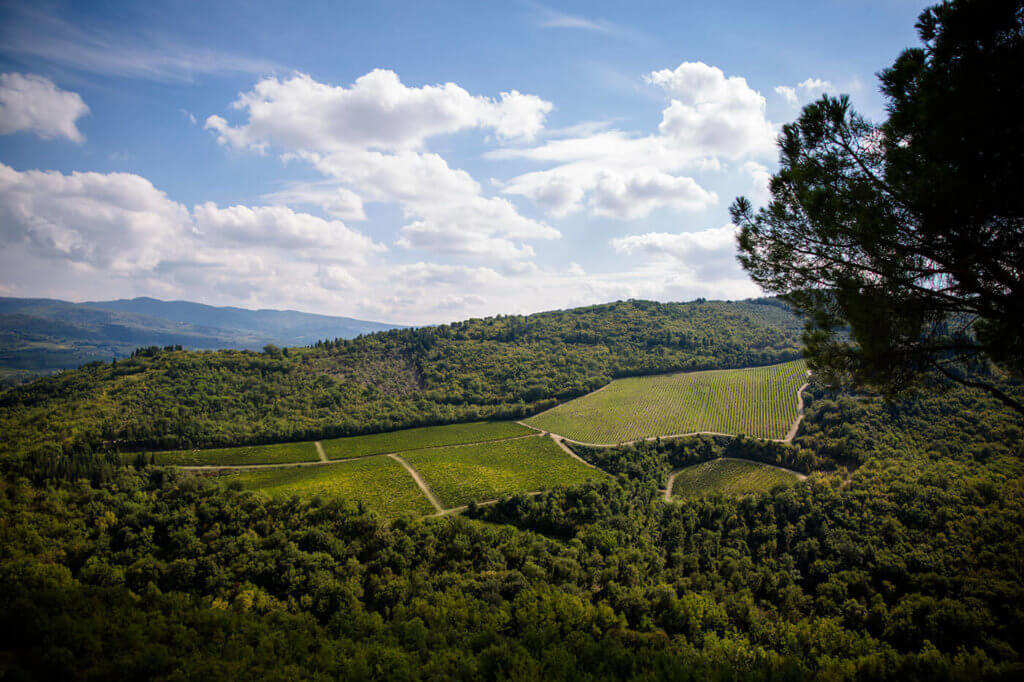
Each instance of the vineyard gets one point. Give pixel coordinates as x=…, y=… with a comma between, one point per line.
x=729, y=476
x=457, y=474
x=341, y=448
x=460, y=475
x=278, y=453
x=759, y=402
x=381, y=483
x=426, y=437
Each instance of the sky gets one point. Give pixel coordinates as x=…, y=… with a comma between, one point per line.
x=409, y=162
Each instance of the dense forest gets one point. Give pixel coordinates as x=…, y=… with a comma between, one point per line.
x=897, y=559
x=498, y=367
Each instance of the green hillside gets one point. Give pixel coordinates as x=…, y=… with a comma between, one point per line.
x=498, y=367
x=760, y=402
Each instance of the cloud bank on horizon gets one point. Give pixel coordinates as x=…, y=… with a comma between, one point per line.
x=394, y=198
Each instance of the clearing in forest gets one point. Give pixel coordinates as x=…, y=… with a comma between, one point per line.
x=759, y=402
x=278, y=453
x=729, y=476
x=381, y=483
x=485, y=471
x=425, y=437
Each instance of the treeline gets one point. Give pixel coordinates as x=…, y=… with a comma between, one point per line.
x=494, y=368
x=906, y=570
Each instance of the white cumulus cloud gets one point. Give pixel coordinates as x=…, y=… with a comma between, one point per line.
x=337, y=202
x=637, y=193
x=279, y=227
x=117, y=221
x=710, y=118
x=90, y=233
x=34, y=104
x=120, y=229
x=368, y=140
x=713, y=115
x=709, y=254
x=805, y=91
x=445, y=207
x=449, y=239
x=378, y=111
x=760, y=177
x=336, y=278
x=815, y=86
x=436, y=274
x=788, y=94
x=682, y=246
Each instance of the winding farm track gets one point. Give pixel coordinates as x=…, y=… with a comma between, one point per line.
x=799, y=413
x=568, y=450
x=560, y=441
x=424, y=488
x=320, y=451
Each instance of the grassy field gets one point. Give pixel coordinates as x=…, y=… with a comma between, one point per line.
x=278, y=453
x=381, y=483
x=486, y=471
x=732, y=477
x=426, y=437
x=760, y=402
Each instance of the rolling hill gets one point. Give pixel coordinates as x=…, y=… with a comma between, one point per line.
x=329, y=550
x=282, y=327
x=38, y=336
x=494, y=368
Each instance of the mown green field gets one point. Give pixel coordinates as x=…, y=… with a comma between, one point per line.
x=426, y=437
x=381, y=483
x=729, y=476
x=460, y=475
x=759, y=401
x=278, y=453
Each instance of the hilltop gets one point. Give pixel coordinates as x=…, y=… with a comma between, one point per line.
x=496, y=367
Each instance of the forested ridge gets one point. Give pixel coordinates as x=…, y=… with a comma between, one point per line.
x=497, y=367
x=39, y=336
x=898, y=559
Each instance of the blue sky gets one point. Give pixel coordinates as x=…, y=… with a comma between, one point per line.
x=412, y=162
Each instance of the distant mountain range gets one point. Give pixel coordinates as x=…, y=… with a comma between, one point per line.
x=40, y=335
